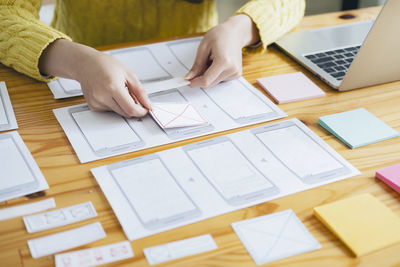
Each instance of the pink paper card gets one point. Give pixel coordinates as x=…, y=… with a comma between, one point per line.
x=171, y=115
x=290, y=87
x=390, y=176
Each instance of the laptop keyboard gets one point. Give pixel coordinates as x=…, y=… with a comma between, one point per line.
x=335, y=62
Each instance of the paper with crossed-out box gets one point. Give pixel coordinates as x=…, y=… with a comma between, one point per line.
x=275, y=236
x=171, y=115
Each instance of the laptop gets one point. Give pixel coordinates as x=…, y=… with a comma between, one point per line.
x=352, y=55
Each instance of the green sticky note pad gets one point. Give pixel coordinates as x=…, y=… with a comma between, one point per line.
x=357, y=127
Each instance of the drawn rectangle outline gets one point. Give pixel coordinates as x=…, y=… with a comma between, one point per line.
x=105, y=152
x=249, y=119
x=166, y=221
x=9, y=113
x=144, y=47
x=25, y=187
x=239, y=200
x=308, y=179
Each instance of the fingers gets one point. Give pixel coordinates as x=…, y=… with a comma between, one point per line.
x=137, y=91
x=219, y=71
x=210, y=76
x=200, y=63
x=113, y=105
x=124, y=100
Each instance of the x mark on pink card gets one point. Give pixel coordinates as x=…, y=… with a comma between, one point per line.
x=171, y=115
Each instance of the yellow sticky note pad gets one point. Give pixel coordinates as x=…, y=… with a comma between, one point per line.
x=363, y=223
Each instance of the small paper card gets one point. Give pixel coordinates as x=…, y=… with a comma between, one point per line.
x=275, y=236
x=153, y=87
x=290, y=87
x=357, y=127
x=54, y=243
x=362, y=222
x=179, y=249
x=56, y=218
x=95, y=256
x=171, y=115
x=390, y=176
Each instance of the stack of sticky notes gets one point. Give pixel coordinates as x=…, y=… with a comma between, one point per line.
x=363, y=223
x=357, y=127
x=390, y=176
x=290, y=87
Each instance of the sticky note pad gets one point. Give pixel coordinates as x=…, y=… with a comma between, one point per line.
x=390, y=176
x=363, y=223
x=275, y=236
x=357, y=127
x=290, y=87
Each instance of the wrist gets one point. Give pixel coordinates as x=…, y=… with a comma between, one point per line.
x=245, y=29
x=64, y=58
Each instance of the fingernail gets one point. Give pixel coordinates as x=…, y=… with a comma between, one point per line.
x=189, y=75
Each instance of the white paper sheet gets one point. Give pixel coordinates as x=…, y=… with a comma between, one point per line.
x=259, y=169
x=61, y=241
x=7, y=116
x=275, y=236
x=20, y=174
x=60, y=217
x=30, y=208
x=95, y=256
x=113, y=131
x=179, y=249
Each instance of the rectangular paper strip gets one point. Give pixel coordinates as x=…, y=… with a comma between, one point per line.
x=21, y=210
x=179, y=249
x=95, y=256
x=52, y=244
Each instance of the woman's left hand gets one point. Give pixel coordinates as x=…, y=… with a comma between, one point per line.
x=219, y=56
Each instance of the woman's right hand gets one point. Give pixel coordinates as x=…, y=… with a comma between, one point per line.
x=106, y=83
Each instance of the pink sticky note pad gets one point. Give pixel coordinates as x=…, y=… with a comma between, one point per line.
x=290, y=87
x=390, y=176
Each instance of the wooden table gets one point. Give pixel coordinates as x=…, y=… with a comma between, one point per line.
x=71, y=182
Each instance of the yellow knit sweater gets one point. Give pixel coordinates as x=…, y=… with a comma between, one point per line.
x=23, y=37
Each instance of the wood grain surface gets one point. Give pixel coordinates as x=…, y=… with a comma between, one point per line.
x=71, y=182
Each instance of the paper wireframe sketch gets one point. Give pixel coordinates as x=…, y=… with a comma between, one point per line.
x=275, y=236
x=171, y=115
x=95, y=256
x=234, y=171
x=20, y=175
x=179, y=249
x=7, y=116
x=97, y=135
x=51, y=244
x=60, y=217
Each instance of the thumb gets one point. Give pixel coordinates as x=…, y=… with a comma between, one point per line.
x=200, y=63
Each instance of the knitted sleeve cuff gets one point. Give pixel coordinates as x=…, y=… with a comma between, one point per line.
x=273, y=19
x=27, y=39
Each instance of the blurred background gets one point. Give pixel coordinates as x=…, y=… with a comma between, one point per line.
x=227, y=7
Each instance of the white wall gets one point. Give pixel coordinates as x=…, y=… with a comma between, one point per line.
x=227, y=7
